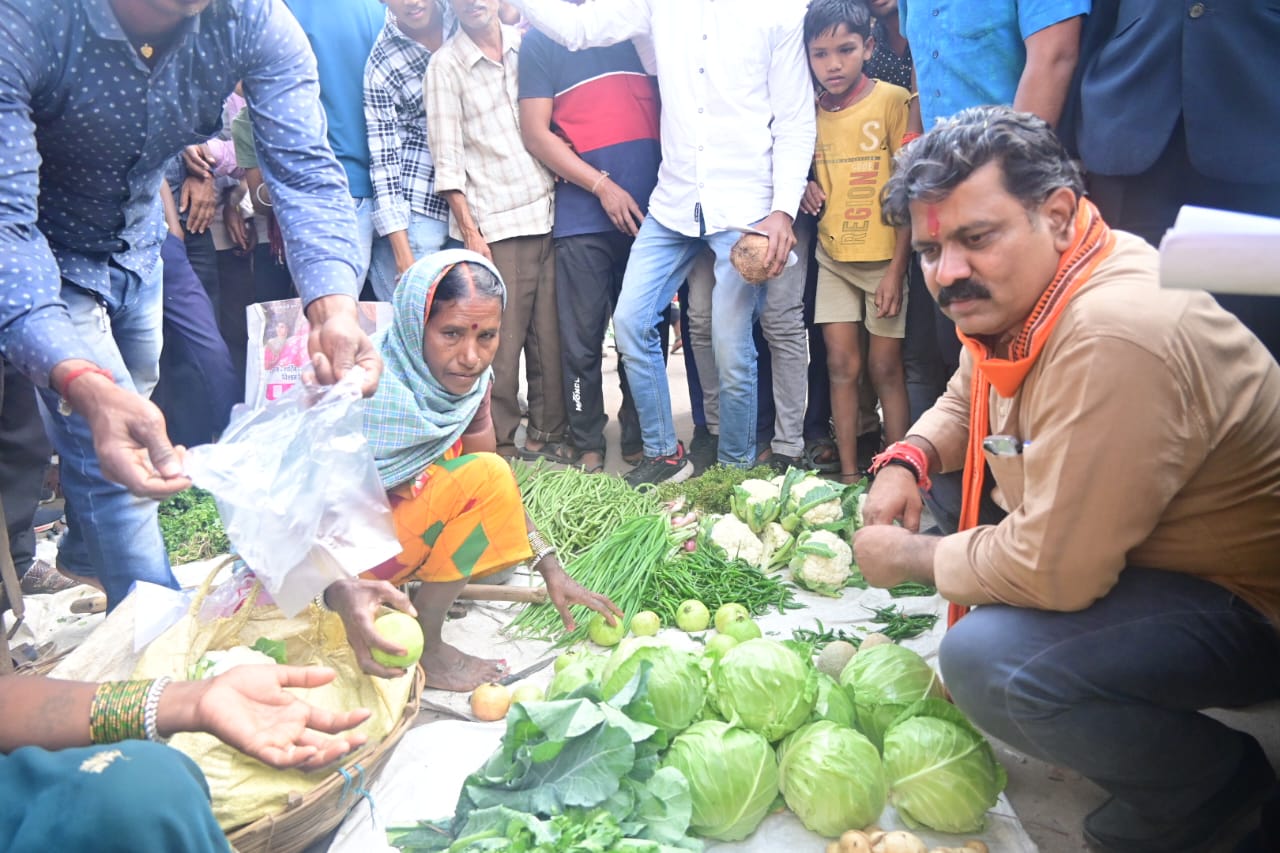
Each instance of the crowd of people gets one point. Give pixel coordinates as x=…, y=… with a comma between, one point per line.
x=959, y=301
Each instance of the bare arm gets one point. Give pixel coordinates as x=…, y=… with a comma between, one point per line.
x=559, y=157
x=461, y=211
x=1051, y=60
x=245, y=707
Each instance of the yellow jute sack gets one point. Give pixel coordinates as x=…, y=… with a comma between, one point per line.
x=244, y=789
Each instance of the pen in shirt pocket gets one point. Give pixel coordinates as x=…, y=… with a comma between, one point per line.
x=1004, y=445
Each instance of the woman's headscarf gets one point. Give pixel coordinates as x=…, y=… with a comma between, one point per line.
x=412, y=419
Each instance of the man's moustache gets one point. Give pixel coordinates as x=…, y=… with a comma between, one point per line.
x=962, y=290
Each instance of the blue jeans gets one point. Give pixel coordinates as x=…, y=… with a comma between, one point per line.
x=660, y=260
x=1115, y=691
x=426, y=236
x=364, y=238
x=112, y=535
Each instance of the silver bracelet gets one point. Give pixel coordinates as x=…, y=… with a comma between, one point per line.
x=537, y=542
x=151, y=709
x=257, y=192
x=538, y=557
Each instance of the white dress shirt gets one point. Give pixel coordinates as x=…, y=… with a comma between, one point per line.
x=737, y=99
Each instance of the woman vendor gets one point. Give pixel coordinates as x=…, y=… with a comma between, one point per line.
x=457, y=509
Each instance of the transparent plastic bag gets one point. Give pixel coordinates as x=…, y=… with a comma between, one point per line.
x=298, y=490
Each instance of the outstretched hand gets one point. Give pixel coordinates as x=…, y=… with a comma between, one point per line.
x=129, y=437
x=359, y=602
x=248, y=708
x=565, y=591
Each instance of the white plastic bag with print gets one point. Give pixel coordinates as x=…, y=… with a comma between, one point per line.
x=298, y=491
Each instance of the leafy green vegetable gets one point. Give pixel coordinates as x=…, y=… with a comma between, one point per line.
x=732, y=775
x=765, y=687
x=273, y=648
x=191, y=527
x=712, y=491
x=885, y=680
x=833, y=703
x=942, y=773
x=831, y=777
x=576, y=768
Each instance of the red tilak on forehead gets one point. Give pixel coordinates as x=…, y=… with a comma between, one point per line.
x=931, y=219
x=475, y=326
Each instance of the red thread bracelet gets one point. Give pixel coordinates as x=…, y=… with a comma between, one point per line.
x=907, y=455
x=81, y=371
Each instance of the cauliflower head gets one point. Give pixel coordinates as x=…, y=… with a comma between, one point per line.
x=735, y=538
x=778, y=545
x=756, y=503
x=822, y=562
x=812, y=501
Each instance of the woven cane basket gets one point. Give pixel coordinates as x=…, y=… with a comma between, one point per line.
x=306, y=819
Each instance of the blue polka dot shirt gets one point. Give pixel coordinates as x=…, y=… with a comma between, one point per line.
x=86, y=128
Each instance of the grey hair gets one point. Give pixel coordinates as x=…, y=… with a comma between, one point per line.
x=467, y=280
x=1033, y=161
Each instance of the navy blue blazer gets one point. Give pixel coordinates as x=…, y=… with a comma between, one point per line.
x=1215, y=62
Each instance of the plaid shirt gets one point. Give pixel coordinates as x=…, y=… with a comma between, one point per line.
x=400, y=166
x=474, y=125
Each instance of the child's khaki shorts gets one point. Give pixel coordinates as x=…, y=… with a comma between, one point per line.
x=846, y=294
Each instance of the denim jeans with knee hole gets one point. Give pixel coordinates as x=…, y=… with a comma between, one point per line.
x=427, y=236
x=660, y=261
x=1115, y=691
x=111, y=535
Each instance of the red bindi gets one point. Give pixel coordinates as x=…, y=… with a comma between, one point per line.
x=931, y=218
x=475, y=326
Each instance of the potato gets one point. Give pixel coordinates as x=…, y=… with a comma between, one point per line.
x=899, y=842
x=851, y=841
x=748, y=256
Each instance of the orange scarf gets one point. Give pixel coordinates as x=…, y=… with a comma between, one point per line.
x=1093, y=242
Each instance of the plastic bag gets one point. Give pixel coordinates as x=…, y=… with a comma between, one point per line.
x=298, y=491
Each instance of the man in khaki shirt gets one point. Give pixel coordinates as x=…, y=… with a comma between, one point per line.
x=1126, y=557
x=501, y=201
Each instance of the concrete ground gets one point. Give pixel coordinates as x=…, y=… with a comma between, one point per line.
x=1050, y=801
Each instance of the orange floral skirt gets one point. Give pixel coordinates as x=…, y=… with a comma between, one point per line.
x=460, y=518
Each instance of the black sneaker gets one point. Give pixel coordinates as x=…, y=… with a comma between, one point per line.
x=659, y=469
x=703, y=450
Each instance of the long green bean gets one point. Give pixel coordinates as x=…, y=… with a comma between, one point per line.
x=708, y=577
x=574, y=510
x=619, y=566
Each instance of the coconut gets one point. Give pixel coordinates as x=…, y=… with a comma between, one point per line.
x=748, y=258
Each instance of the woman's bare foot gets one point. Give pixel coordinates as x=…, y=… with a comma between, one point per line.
x=448, y=668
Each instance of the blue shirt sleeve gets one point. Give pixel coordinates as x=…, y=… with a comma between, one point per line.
x=309, y=192
x=35, y=329
x=1036, y=15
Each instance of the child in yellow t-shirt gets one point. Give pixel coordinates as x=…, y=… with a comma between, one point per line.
x=862, y=263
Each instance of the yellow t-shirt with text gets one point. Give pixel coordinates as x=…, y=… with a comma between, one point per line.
x=852, y=162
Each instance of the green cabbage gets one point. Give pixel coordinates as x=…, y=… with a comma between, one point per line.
x=733, y=778
x=942, y=773
x=765, y=687
x=885, y=680
x=833, y=703
x=831, y=778
x=584, y=669
x=677, y=686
